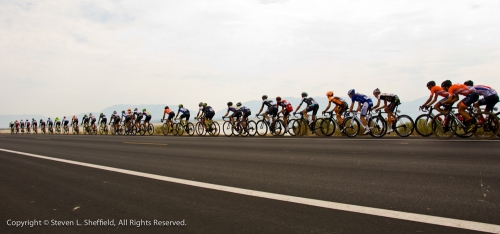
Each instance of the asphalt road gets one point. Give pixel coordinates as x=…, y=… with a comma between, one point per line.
x=457, y=179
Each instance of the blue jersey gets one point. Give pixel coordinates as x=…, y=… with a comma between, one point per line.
x=361, y=98
x=183, y=110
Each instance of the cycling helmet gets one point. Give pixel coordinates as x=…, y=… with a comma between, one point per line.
x=83, y=116
x=278, y=98
x=74, y=116
x=304, y=94
x=200, y=104
x=49, y=118
x=376, y=91
x=264, y=96
x=230, y=103
x=329, y=93
x=238, y=104
x=144, y=109
x=136, y=109
x=123, y=112
x=129, y=109
x=446, y=83
x=204, y=104
x=41, y=120
x=65, y=116
x=114, y=112
x=469, y=83
x=180, y=105
x=352, y=91
x=431, y=83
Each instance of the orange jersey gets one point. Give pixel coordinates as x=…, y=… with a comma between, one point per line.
x=167, y=111
x=457, y=89
x=336, y=100
x=439, y=91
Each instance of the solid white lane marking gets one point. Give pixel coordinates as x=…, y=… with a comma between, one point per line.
x=455, y=223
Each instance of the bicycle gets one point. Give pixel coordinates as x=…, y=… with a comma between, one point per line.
x=228, y=127
x=423, y=123
x=445, y=126
x=35, y=129
x=183, y=126
x=377, y=124
x=402, y=125
x=247, y=129
x=58, y=129
x=277, y=128
x=103, y=129
x=150, y=129
x=42, y=127
x=51, y=129
x=211, y=127
x=12, y=129
x=127, y=129
x=76, y=129
x=65, y=129
x=329, y=125
x=28, y=129
x=166, y=128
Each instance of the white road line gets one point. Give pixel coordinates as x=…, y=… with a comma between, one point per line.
x=448, y=222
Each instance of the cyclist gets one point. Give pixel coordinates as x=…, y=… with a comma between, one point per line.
x=85, y=120
x=312, y=105
x=245, y=112
x=436, y=91
x=126, y=118
x=340, y=106
x=22, y=125
x=11, y=126
x=92, y=121
x=34, y=123
x=28, y=127
x=50, y=123
x=208, y=112
x=65, y=121
x=200, y=110
x=286, y=109
x=148, y=117
x=470, y=97
x=184, y=111
x=42, y=124
x=490, y=96
x=102, y=119
x=272, y=109
x=364, y=104
x=387, y=97
x=58, y=122
x=236, y=112
x=171, y=115
x=137, y=116
x=17, y=124
x=115, y=119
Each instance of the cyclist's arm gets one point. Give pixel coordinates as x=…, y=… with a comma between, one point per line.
x=359, y=107
x=433, y=100
x=428, y=102
x=298, y=107
x=226, y=113
x=378, y=104
x=327, y=107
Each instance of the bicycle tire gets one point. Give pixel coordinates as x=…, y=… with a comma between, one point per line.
x=378, y=126
x=240, y=130
x=165, y=129
x=403, y=126
x=328, y=126
x=227, y=128
x=190, y=129
x=443, y=129
x=489, y=128
x=251, y=128
x=423, y=125
x=261, y=128
x=200, y=129
x=150, y=129
x=351, y=127
x=293, y=127
x=215, y=131
x=279, y=127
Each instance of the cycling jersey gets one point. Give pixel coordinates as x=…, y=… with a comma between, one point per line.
x=42, y=123
x=85, y=119
x=388, y=97
x=361, y=98
x=183, y=110
x=309, y=100
x=232, y=109
x=336, y=100
x=268, y=103
x=245, y=111
x=439, y=91
x=34, y=123
x=286, y=105
x=482, y=90
x=457, y=89
x=168, y=111
x=27, y=123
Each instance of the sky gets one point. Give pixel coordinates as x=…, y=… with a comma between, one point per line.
x=79, y=56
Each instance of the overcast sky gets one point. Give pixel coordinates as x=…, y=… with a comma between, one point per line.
x=75, y=56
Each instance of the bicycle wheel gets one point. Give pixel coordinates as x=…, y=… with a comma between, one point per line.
x=251, y=128
x=460, y=131
x=278, y=127
x=423, y=125
x=106, y=129
x=214, y=129
x=378, y=126
x=180, y=129
x=293, y=127
x=403, y=126
x=101, y=130
x=261, y=128
x=165, y=129
x=200, y=129
x=190, y=129
x=351, y=127
x=150, y=129
x=328, y=127
x=239, y=130
x=443, y=127
x=488, y=126
x=227, y=128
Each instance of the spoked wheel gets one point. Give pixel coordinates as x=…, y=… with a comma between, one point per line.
x=378, y=126
x=150, y=129
x=121, y=130
x=214, y=129
x=327, y=126
x=278, y=128
x=460, y=131
x=261, y=128
x=351, y=127
x=200, y=129
x=423, y=125
x=166, y=129
x=403, y=126
x=179, y=129
x=293, y=127
x=443, y=127
x=239, y=130
x=227, y=128
x=190, y=129
x=488, y=126
x=251, y=128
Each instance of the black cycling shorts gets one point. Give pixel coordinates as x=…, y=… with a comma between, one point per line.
x=314, y=108
x=393, y=104
x=209, y=115
x=245, y=114
x=273, y=111
x=489, y=101
x=117, y=120
x=148, y=118
x=104, y=120
x=186, y=115
x=171, y=115
x=471, y=98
